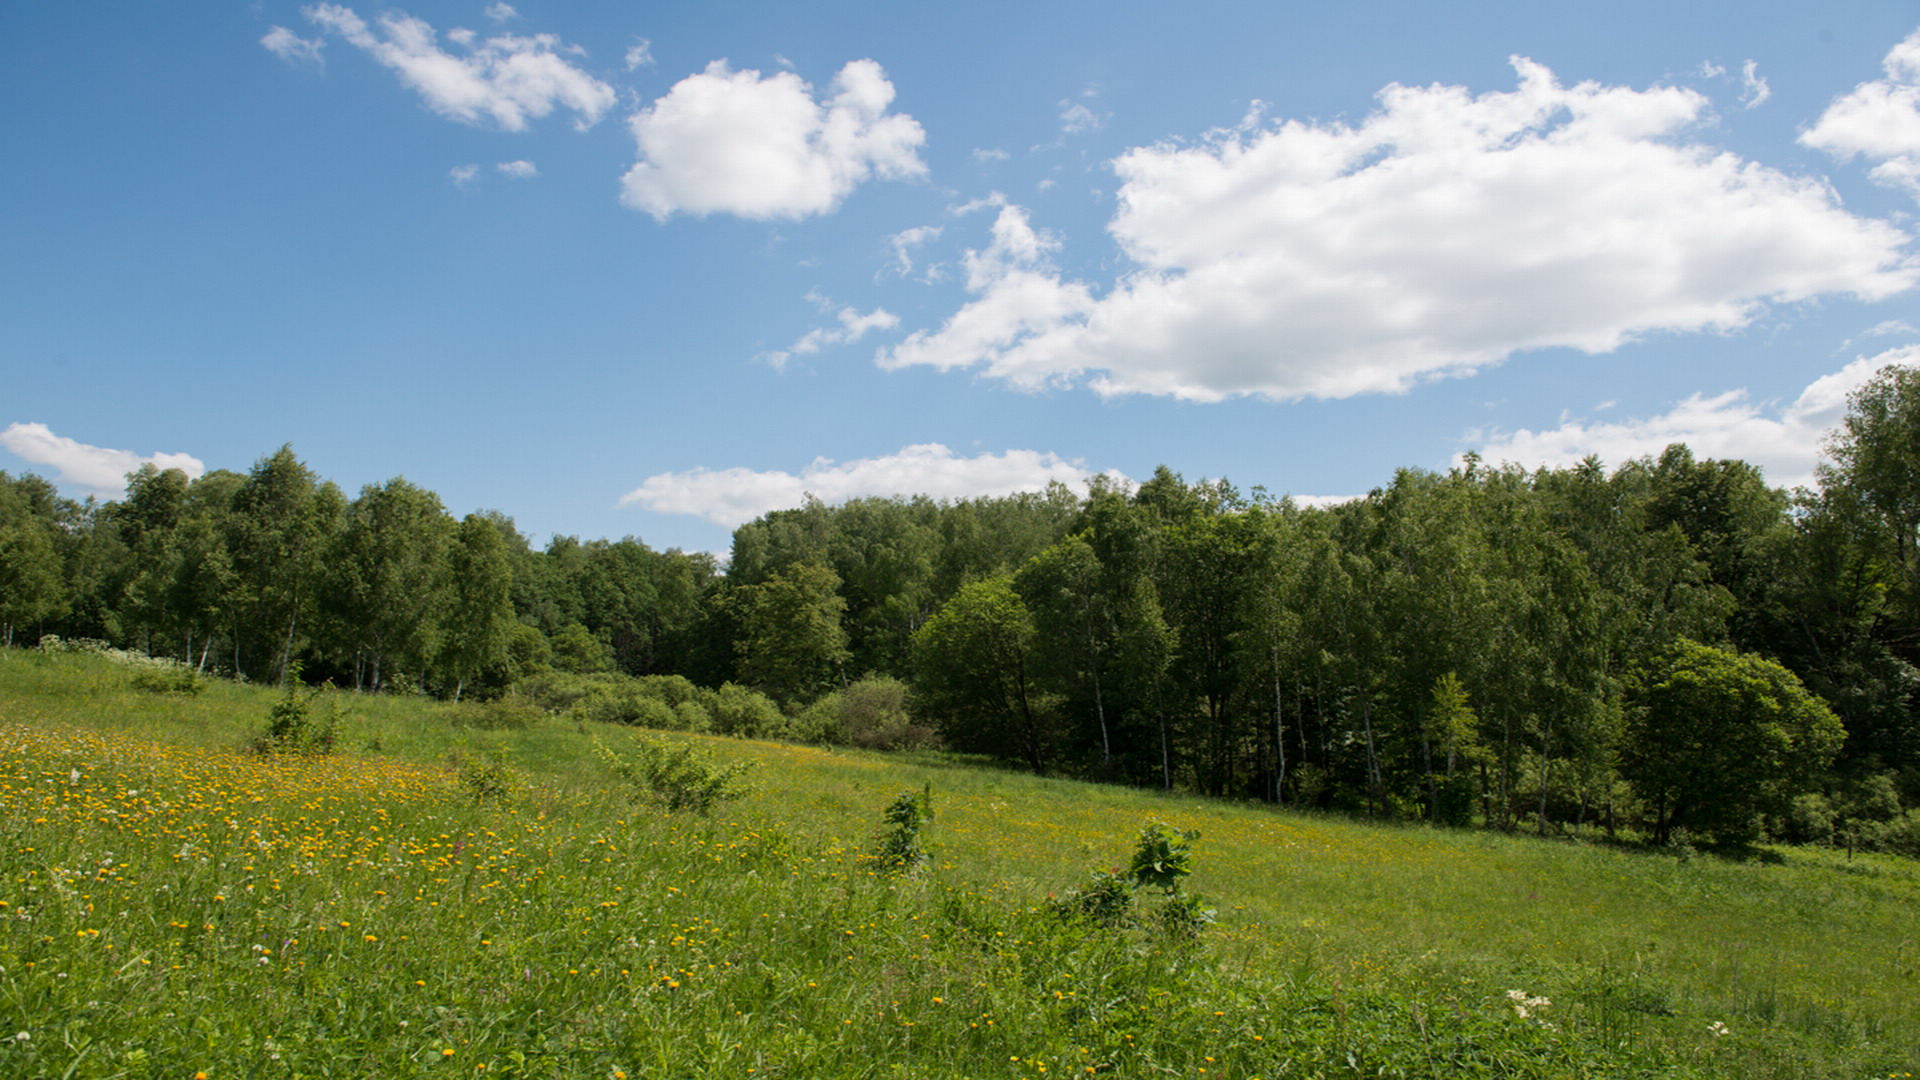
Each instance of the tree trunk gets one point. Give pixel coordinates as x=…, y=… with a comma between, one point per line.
x=1546, y=748
x=1279, y=735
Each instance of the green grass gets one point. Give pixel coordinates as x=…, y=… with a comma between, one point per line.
x=174, y=906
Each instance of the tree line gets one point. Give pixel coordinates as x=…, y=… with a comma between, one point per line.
x=1670, y=645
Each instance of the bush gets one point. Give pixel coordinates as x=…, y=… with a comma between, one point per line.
x=295, y=725
x=900, y=846
x=871, y=714
x=507, y=714
x=1900, y=836
x=486, y=777
x=168, y=679
x=745, y=713
x=1162, y=861
x=1106, y=901
x=674, y=775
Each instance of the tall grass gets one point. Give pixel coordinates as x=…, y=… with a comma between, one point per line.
x=175, y=905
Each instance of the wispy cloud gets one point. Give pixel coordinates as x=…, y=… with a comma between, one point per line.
x=509, y=80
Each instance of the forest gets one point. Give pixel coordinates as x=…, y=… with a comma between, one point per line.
x=1670, y=651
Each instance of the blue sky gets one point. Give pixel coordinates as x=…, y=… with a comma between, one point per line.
x=654, y=270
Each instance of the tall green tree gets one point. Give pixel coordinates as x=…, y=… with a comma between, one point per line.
x=479, y=613
x=390, y=580
x=973, y=668
x=33, y=588
x=1717, y=738
x=793, y=646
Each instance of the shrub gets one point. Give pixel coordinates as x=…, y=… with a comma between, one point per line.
x=674, y=775
x=507, y=714
x=1901, y=836
x=168, y=679
x=1162, y=861
x=295, y=725
x=900, y=846
x=871, y=714
x=749, y=714
x=1107, y=900
x=486, y=777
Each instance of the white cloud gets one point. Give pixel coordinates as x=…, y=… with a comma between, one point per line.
x=1018, y=293
x=1075, y=118
x=518, y=170
x=1890, y=326
x=734, y=496
x=96, y=469
x=1783, y=440
x=906, y=241
x=640, y=54
x=1754, y=90
x=1321, y=502
x=293, y=48
x=853, y=326
x=991, y=154
x=734, y=142
x=1442, y=233
x=501, y=12
x=1879, y=119
x=508, y=79
x=462, y=175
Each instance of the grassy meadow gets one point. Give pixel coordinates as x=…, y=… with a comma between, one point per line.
x=172, y=905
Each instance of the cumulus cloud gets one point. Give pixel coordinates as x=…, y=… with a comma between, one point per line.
x=990, y=154
x=761, y=147
x=510, y=80
x=517, y=170
x=462, y=175
x=96, y=469
x=1785, y=441
x=501, y=12
x=1442, y=233
x=293, y=48
x=732, y=497
x=640, y=54
x=1019, y=295
x=853, y=326
x=1879, y=120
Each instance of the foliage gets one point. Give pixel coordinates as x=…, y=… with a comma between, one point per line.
x=900, y=846
x=296, y=725
x=873, y=713
x=1717, y=739
x=674, y=775
x=168, y=679
x=1162, y=861
x=486, y=775
x=1164, y=857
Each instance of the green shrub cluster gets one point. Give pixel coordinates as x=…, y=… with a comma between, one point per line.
x=1162, y=861
x=485, y=776
x=296, y=725
x=661, y=702
x=901, y=846
x=673, y=774
x=872, y=714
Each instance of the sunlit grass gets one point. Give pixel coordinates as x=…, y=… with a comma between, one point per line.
x=174, y=905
